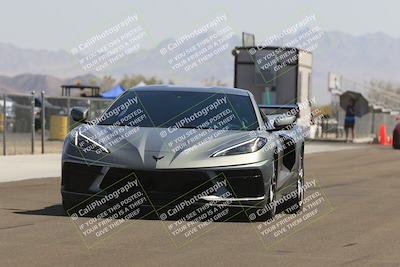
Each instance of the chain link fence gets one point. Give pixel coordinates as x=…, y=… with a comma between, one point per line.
x=23, y=116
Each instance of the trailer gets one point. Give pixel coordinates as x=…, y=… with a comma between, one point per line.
x=276, y=76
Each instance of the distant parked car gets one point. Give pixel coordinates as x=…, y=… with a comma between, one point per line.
x=396, y=135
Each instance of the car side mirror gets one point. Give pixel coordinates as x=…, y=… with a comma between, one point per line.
x=283, y=122
x=79, y=114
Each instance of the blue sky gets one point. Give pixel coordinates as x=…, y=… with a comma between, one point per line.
x=50, y=24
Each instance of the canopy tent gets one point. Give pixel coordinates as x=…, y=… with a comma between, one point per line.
x=113, y=93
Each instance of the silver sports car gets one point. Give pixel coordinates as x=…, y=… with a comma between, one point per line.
x=173, y=149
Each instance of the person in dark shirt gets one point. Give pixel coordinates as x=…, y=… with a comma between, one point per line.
x=350, y=120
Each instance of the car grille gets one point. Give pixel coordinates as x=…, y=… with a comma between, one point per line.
x=163, y=186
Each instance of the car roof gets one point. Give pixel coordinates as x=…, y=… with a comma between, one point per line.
x=223, y=90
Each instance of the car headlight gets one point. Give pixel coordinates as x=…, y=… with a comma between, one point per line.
x=87, y=144
x=242, y=148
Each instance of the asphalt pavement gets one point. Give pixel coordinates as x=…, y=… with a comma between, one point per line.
x=358, y=225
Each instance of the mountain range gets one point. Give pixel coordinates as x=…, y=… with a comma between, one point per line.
x=361, y=58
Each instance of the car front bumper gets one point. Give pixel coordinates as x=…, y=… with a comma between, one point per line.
x=245, y=185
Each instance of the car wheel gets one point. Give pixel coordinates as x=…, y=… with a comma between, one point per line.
x=396, y=139
x=295, y=204
x=69, y=207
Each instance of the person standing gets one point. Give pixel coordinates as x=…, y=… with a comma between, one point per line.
x=350, y=120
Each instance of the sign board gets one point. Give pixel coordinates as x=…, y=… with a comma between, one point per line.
x=334, y=81
x=248, y=39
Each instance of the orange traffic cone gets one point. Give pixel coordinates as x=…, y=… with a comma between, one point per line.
x=382, y=135
x=390, y=141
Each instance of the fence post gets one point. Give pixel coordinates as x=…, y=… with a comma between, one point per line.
x=68, y=112
x=43, y=120
x=89, y=107
x=33, y=123
x=373, y=123
x=4, y=124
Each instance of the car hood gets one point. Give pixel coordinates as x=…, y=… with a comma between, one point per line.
x=163, y=148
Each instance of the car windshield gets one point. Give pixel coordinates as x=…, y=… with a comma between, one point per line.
x=181, y=109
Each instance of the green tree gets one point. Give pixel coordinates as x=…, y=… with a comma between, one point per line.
x=210, y=82
x=133, y=80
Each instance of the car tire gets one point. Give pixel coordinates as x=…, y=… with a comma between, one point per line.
x=396, y=139
x=69, y=206
x=295, y=204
